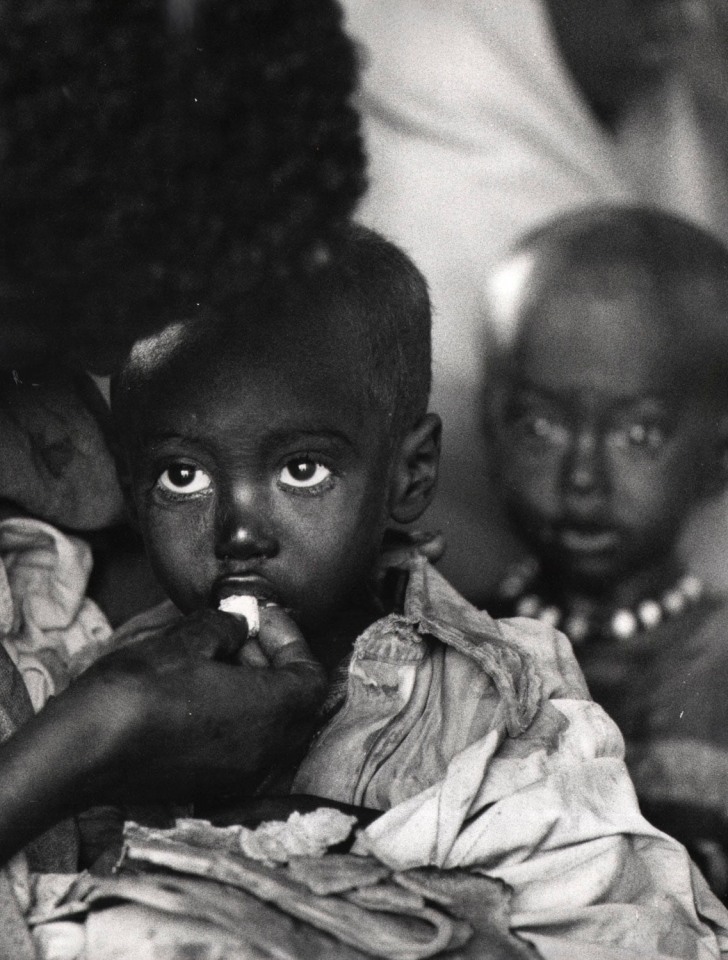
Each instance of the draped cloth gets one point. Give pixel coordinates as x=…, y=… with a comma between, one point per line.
x=49, y=633
x=424, y=734
x=479, y=740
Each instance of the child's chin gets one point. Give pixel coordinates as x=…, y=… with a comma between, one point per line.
x=590, y=573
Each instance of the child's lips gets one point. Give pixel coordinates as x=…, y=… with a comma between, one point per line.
x=250, y=585
x=587, y=540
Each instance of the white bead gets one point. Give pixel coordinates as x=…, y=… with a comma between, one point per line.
x=550, y=615
x=624, y=624
x=511, y=586
x=674, y=602
x=692, y=587
x=528, y=606
x=576, y=628
x=650, y=613
x=529, y=568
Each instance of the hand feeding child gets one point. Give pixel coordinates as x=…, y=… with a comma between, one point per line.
x=608, y=410
x=278, y=628
x=264, y=454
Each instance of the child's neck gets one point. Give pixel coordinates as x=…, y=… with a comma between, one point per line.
x=334, y=644
x=586, y=611
x=649, y=581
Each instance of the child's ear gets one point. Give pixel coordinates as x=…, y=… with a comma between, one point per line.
x=415, y=470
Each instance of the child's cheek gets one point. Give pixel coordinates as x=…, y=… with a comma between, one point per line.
x=534, y=478
x=181, y=551
x=647, y=496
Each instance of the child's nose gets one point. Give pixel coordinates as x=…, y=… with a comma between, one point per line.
x=243, y=527
x=584, y=467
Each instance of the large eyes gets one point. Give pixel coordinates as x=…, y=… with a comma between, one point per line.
x=542, y=429
x=184, y=478
x=638, y=435
x=304, y=473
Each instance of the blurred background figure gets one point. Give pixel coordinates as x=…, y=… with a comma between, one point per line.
x=607, y=408
x=484, y=119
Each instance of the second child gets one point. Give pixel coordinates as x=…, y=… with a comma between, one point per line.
x=608, y=411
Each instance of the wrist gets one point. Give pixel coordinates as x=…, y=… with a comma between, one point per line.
x=109, y=710
x=49, y=768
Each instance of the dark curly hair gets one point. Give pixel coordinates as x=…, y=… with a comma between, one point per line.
x=683, y=267
x=159, y=154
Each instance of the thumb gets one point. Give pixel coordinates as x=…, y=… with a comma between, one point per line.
x=281, y=641
x=211, y=634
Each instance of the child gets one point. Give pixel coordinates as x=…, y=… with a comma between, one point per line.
x=608, y=407
x=266, y=453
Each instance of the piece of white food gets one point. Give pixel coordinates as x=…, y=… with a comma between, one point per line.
x=243, y=605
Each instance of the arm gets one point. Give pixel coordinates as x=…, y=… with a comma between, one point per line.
x=172, y=716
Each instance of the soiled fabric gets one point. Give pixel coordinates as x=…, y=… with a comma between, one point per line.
x=552, y=811
x=48, y=626
x=57, y=848
x=49, y=633
x=422, y=732
x=476, y=132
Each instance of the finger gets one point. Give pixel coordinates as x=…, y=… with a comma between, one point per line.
x=305, y=685
x=253, y=655
x=211, y=634
x=281, y=640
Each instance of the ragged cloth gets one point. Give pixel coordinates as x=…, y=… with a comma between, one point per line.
x=423, y=734
x=480, y=741
x=49, y=633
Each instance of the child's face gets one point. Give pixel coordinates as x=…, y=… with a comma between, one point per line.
x=266, y=474
x=604, y=443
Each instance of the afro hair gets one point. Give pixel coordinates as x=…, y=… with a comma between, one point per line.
x=157, y=154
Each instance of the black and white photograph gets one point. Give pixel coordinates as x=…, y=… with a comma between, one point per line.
x=364, y=479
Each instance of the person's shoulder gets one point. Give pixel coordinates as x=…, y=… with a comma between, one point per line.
x=520, y=654
x=699, y=635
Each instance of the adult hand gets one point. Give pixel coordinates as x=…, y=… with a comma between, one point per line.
x=178, y=715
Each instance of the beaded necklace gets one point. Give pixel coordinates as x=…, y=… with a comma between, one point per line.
x=582, y=623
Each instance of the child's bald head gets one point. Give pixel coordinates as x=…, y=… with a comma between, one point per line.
x=674, y=271
x=608, y=391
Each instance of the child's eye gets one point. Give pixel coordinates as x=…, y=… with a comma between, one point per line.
x=303, y=472
x=543, y=429
x=182, y=478
x=638, y=435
